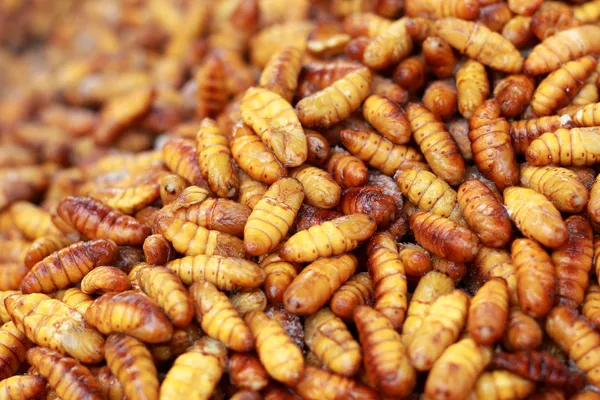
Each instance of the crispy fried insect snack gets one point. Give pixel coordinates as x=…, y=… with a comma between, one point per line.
x=277, y=352
x=591, y=305
x=558, y=88
x=320, y=189
x=246, y=371
x=165, y=287
x=415, y=259
x=196, y=373
x=319, y=148
x=104, y=280
x=22, y=387
x=365, y=24
x=329, y=338
x=214, y=158
x=109, y=384
x=357, y=291
x=480, y=43
x=560, y=185
x=390, y=46
x=575, y=336
x=389, y=278
x=32, y=221
x=439, y=329
x=429, y=193
x=441, y=98
x=94, y=220
x=171, y=186
x=347, y=170
x=315, y=285
x=431, y=286
x=55, y=325
x=180, y=157
x=455, y=372
x=439, y=56
x=274, y=120
x=501, y=384
x=273, y=216
x=535, y=216
x=128, y=200
x=577, y=147
x=253, y=157
x=75, y=298
x=127, y=357
x=411, y=73
x=132, y=313
x=331, y=238
x=440, y=150
x=484, y=213
x=524, y=132
x=488, y=313
x=226, y=273
x=211, y=92
x=249, y=300
x=573, y=262
x=522, y=332
x=388, y=118
x=432, y=9
x=70, y=379
x=535, y=277
x=13, y=347
x=219, y=319
x=539, y=367
x=370, y=201
x=472, y=85
x=518, y=31
x=385, y=357
x=444, y=237
x=549, y=55
x=158, y=250
x=380, y=153
x=68, y=266
x=251, y=191
x=280, y=75
x=319, y=384
x=190, y=239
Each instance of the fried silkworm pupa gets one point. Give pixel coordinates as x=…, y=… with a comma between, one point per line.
x=539, y=367
x=283, y=199
x=158, y=250
x=591, y=305
x=94, y=220
x=75, y=299
x=219, y=319
x=514, y=94
x=43, y=247
x=578, y=339
x=109, y=384
x=318, y=148
x=246, y=371
x=341, y=235
x=132, y=313
x=331, y=341
x=280, y=75
x=32, y=221
x=128, y=200
x=439, y=329
x=22, y=387
x=68, y=266
x=165, y=287
x=439, y=56
x=535, y=216
x=309, y=216
x=411, y=73
x=464, y=9
x=320, y=189
x=347, y=170
x=277, y=352
x=251, y=191
x=438, y=146
x=484, y=213
x=105, y=279
x=500, y=384
x=431, y=286
x=440, y=98
x=315, y=285
x=190, y=239
x=180, y=157
x=444, y=237
x=357, y=291
x=371, y=201
x=249, y=300
x=318, y=384
x=13, y=347
x=276, y=124
x=196, y=372
x=415, y=259
x=522, y=332
x=171, y=186
x=127, y=357
x=226, y=273
x=388, y=118
x=455, y=372
x=390, y=46
x=385, y=357
x=488, y=313
x=66, y=376
x=472, y=85
x=576, y=147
